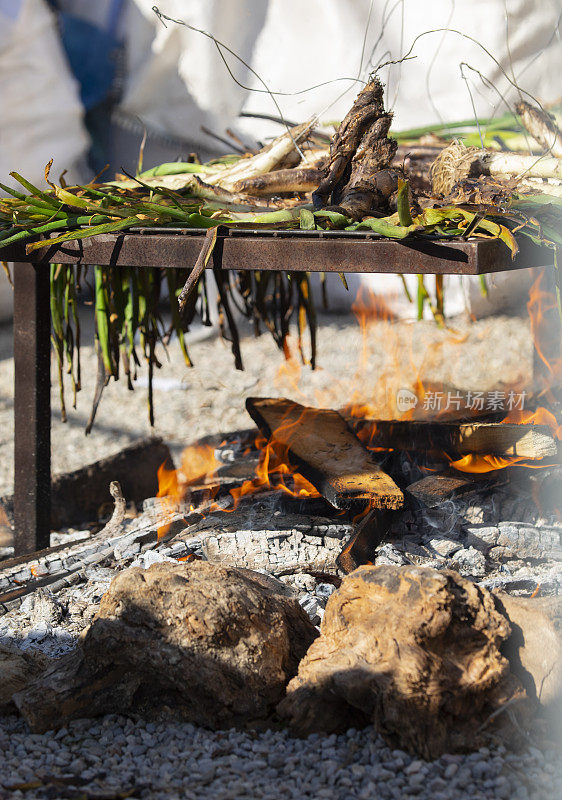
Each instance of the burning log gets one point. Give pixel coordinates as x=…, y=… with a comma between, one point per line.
x=486, y=438
x=327, y=453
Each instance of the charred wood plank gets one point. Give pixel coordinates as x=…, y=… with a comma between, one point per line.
x=434, y=489
x=327, y=453
x=369, y=532
x=457, y=438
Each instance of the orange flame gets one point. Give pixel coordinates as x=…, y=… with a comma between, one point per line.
x=542, y=416
x=540, y=306
x=197, y=468
x=479, y=464
x=274, y=471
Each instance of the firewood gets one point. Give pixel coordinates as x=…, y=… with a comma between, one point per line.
x=195, y=641
x=458, y=438
x=434, y=489
x=369, y=532
x=415, y=652
x=326, y=452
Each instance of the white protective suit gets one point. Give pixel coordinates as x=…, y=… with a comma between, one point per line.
x=177, y=80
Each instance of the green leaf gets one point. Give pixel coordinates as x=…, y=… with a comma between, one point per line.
x=384, y=228
x=84, y=233
x=307, y=221
x=338, y=220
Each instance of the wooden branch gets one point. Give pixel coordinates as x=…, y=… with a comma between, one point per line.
x=462, y=438
x=327, y=453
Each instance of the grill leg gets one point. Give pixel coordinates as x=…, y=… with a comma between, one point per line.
x=32, y=408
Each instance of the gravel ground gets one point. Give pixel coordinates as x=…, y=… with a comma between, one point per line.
x=163, y=761
x=209, y=398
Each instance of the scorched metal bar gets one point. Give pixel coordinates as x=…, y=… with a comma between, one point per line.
x=32, y=408
x=297, y=251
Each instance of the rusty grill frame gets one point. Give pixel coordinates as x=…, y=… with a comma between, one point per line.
x=236, y=249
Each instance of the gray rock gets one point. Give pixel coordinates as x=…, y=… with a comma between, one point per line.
x=470, y=562
x=445, y=547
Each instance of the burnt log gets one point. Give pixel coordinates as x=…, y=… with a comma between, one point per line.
x=327, y=453
x=434, y=489
x=414, y=651
x=370, y=530
x=82, y=495
x=193, y=641
x=461, y=438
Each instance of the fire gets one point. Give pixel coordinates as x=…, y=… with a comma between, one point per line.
x=539, y=303
x=289, y=372
x=373, y=391
x=198, y=467
x=542, y=416
x=479, y=464
x=274, y=471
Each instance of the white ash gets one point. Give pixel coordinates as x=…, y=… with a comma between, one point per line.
x=116, y=756
x=467, y=534
x=311, y=605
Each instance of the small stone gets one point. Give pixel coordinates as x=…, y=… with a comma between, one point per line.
x=324, y=590
x=470, y=562
x=445, y=547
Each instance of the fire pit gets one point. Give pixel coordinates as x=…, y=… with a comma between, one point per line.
x=236, y=249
